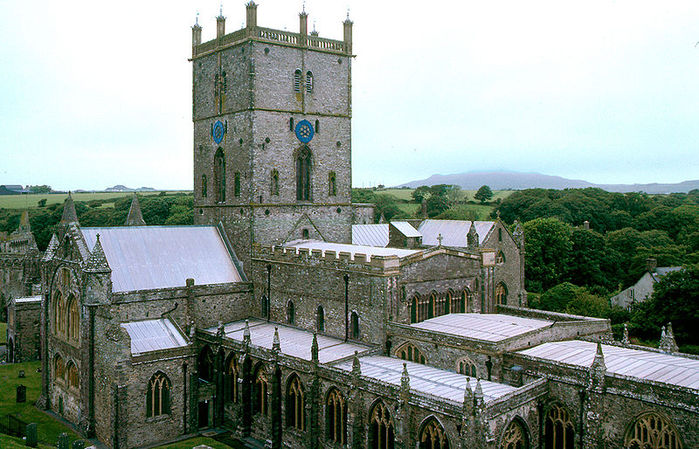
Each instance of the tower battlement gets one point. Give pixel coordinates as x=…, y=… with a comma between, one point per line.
x=252, y=32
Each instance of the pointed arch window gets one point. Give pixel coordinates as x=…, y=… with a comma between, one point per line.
x=206, y=364
x=274, y=183
x=72, y=377
x=236, y=184
x=354, y=322
x=462, y=303
x=381, y=431
x=501, y=294
x=466, y=367
x=233, y=373
x=303, y=175
x=433, y=436
x=320, y=319
x=291, y=313
x=430, y=309
x=514, y=437
x=652, y=431
x=500, y=258
x=441, y=304
x=220, y=176
x=558, y=429
x=158, y=395
x=59, y=368
x=332, y=184
x=55, y=315
x=411, y=353
x=204, y=186
x=73, y=316
x=336, y=417
x=259, y=404
x=295, y=406
x=297, y=80
x=421, y=308
x=309, y=81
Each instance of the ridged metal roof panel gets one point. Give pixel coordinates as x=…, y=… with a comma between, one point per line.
x=153, y=335
x=425, y=379
x=649, y=365
x=370, y=235
x=406, y=228
x=454, y=232
x=150, y=257
x=352, y=249
x=489, y=327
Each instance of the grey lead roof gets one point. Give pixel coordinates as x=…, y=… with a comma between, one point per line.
x=370, y=235
x=424, y=379
x=489, y=327
x=453, y=232
x=352, y=249
x=293, y=342
x=150, y=257
x=406, y=228
x=153, y=335
x=649, y=365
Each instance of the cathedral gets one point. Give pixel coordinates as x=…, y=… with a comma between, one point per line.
x=286, y=317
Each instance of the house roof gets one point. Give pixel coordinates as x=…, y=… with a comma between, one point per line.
x=150, y=257
x=425, y=379
x=488, y=327
x=406, y=229
x=662, y=271
x=647, y=365
x=293, y=342
x=453, y=232
x=370, y=235
x=153, y=335
x=370, y=251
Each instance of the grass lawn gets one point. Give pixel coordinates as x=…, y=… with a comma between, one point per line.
x=192, y=442
x=31, y=200
x=3, y=333
x=479, y=211
x=48, y=428
x=8, y=442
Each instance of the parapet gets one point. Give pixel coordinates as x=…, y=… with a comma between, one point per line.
x=342, y=259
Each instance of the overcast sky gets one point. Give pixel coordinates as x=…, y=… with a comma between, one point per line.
x=98, y=93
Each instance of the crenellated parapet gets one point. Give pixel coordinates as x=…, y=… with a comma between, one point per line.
x=335, y=259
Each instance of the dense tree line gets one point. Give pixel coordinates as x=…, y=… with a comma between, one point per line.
x=163, y=209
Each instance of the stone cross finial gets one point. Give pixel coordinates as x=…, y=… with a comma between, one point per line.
x=625, y=338
x=314, y=348
x=276, y=344
x=196, y=20
x=440, y=238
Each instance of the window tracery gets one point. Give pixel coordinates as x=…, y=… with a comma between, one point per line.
x=652, y=431
x=336, y=417
x=558, y=429
x=158, y=395
x=381, y=431
x=433, y=436
x=409, y=352
x=295, y=406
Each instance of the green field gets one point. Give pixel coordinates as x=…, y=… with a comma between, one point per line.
x=405, y=194
x=3, y=333
x=48, y=427
x=192, y=442
x=31, y=201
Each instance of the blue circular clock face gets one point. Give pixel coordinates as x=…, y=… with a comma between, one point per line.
x=304, y=131
x=218, y=132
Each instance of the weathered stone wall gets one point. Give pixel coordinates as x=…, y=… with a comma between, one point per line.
x=509, y=272
x=23, y=331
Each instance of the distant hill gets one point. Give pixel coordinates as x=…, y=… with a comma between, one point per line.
x=504, y=180
x=123, y=188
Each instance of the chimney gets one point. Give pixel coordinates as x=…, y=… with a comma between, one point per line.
x=251, y=15
x=586, y=225
x=651, y=264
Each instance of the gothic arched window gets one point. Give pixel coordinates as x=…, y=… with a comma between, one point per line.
x=320, y=319
x=291, y=313
x=466, y=367
x=500, y=258
x=430, y=309
x=303, y=175
x=463, y=302
x=501, y=294
x=236, y=184
x=206, y=364
x=652, y=431
x=336, y=417
x=274, y=183
x=411, y=353
x=73, y=319
x=158, y=395
x=295, y=406
x=56, y=315
x=514, y=437
x=233, y=373
x=421, y=308
x=220, y=176
x=354, y=325
x=297, y=80
x=309, y=81
x=332, y=184
x=441, y=304
x=433, y=436
x=317, y=126
x=59, y=368
x=72, y=377
x=204, y=186
x=558, y=429
x=381, y=433
x=259, y=404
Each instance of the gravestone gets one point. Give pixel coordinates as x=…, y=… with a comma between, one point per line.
x=62, y=441
x=31, y=435
x=21, y=374
x=78, y=444
x=21, y=393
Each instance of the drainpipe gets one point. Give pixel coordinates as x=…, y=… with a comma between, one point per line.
x=346, y=306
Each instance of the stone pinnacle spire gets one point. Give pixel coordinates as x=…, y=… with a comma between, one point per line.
x=468, y=397
x=69, y=214
x=667, y=340
x=405, y=378
x=97, y=262
x=598, y=369
x=276, y=344
x=472, y=238
x=625, y=338
x=314, y=348
x=356, y=367
x=246, y=333
x=135, y=217
x=478, y=394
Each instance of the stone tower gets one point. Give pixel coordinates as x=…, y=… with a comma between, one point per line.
x=272, y=134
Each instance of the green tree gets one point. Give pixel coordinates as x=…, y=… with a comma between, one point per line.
x=40, y=189
x=570, y=298
x=386, y=205
x=420, y=194
x=483, y=194
x=548, y=247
